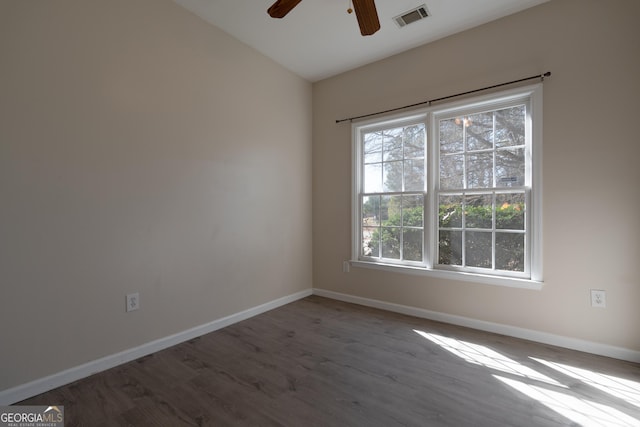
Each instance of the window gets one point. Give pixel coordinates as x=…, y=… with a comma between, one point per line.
x=453, y=190
x=393, y=196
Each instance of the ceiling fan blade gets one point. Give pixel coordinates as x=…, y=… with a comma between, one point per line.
x=281, y=7
x=367, y=16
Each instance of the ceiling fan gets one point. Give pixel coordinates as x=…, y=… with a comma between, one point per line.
x=365, y=12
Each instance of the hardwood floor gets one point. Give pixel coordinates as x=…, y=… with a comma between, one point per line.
x=319, y=362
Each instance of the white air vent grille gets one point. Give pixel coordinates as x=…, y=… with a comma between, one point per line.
x=411, y=16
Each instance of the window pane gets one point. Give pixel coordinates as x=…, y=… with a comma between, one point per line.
x=478, y=249
x=510, y=126
x=510, y=167
x=414, y=138
x=451, y=172
x=391, y=210
x=450, y=211
x=413, y=211
x=392, y=144
x=393, y=176
x=370, y=241
x=451, y=136
x=478, y=211
x=391, y=242
x=370, y=210
x=480, y=170
x=450, y=247
x=479, y=131
x=372, y=157
x=412, y=244
x=372, y=148
x=510, y=211
x=414, y=175
x=373, y=178
x=510, y=251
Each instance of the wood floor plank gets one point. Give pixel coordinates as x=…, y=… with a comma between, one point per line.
x=319, y=362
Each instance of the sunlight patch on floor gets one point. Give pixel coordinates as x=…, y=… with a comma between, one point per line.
x=581, y=411
x=549, y=392
x=481, y=355
x=618, y=387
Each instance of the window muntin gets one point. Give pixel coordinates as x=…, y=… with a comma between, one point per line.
x=479, y=210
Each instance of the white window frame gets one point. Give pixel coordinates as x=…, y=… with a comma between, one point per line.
x=532, y=277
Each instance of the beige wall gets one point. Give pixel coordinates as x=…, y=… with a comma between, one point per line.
x=141, y=149
x=591, y=165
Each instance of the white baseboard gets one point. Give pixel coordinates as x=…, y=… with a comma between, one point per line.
x=512, y=331
x=33, y=388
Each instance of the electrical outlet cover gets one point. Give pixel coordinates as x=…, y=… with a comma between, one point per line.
x=133, y=302
x=346, y=266
x=598, y=298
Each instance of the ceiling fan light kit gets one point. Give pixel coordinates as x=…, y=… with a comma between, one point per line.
x=366, y=13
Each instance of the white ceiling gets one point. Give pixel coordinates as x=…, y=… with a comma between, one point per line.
x=319, y=39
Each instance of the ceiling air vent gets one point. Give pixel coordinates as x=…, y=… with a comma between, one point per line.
x=411, y=16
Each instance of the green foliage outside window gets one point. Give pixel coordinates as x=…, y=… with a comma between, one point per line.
x=509, y=246
x=387, y=237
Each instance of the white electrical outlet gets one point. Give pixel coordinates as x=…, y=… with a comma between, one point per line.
x=133, y=301
x=598, y=298
x=346, y=266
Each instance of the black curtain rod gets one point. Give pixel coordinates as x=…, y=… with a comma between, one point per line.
x=539, y=76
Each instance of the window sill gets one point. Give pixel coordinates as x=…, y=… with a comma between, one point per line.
x=511, y=282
